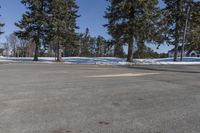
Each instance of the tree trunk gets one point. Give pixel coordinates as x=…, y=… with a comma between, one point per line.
x=178, y=26
x=58, y=53
x=185, y=32
x=59, y=59
x=176, y=41
x=80, y=50
x=36, y=51
x=130, y=51
x=176, y=51
x=141, y=48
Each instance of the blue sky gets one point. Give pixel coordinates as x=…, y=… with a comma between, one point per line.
x=91, y=11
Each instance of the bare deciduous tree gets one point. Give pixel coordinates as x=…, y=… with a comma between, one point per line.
x=13, y=42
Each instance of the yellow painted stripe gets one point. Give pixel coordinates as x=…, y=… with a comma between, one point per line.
x=123, y=75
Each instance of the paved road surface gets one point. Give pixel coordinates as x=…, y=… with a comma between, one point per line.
x=53, y=98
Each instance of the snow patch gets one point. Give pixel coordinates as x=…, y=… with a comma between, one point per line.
x=169, y=61
x=105, y=60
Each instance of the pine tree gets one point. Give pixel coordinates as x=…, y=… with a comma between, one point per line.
x=33, y=23
x=193, y=30
x=117, y=24
x=149, y=28
x=1, y=26
x=92, y=46
x=174, y=19
x=62, y=23
x=130, y=20
x=85, y=43
x=72, y=37
x=118, y=47
x=101, y=46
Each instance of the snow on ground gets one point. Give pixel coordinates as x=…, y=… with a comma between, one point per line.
x=104, y=60
x=70, y=60
x=169, y=61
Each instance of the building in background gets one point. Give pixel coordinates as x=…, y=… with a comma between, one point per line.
x=187, y=53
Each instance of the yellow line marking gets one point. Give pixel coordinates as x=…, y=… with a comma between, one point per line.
x=123, y=75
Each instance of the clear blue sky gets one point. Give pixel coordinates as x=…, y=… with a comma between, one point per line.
x=91, y=11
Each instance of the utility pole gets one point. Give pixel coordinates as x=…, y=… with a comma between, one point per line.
x=185, y=31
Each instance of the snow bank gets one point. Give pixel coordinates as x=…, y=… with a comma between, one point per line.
x=95, y=60
x=104, y=60
x=169, y=61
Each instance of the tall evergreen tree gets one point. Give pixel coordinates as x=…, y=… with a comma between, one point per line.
x=72, y=37
x=85, y=43
x=101, y=46
x=117, y=24
x=174, y=13
x=62, y=23
x=193, y=30
x=33, y=23
x=149, y=28
x=131, y=20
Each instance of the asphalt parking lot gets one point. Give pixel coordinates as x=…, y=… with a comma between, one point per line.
x=58, y=98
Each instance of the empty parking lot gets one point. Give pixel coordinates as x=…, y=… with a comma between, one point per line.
x=60, y=98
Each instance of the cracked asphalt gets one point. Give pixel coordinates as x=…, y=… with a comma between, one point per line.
x=60, y=98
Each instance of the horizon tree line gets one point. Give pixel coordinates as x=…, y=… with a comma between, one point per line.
x=49, y=27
